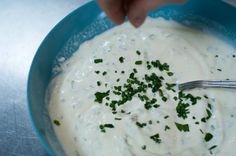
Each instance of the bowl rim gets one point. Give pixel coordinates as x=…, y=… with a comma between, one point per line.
x=30, y=112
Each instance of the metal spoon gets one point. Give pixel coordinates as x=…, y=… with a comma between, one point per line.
x=207, y=84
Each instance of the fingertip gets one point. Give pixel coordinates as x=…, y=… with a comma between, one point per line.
x=137, y=21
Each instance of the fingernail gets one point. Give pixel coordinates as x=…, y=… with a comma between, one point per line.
x=138, y=21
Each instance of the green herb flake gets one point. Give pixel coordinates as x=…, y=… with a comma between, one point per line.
x=166, y=117
x=170, y=74
x=175, y=98
x=56, y=122
x=167, y=128
x=98, y=61
x=144, y=147
x=104, y=73
x=206, y=97
x=100, y=95
x=156, y=138
x=97, y=72
x=209, y=114
x=182, y=109
x=208, y=137
x=141, y=125
x=117, y=118
x=104, y=126
x=135, y=70
x=182, y=127
x=211, y=148
x=138, y=52
x=209, y=106
x=201, y=131
x=150, y=122
x=139, y=62
x=98, y=83
x=121, y=59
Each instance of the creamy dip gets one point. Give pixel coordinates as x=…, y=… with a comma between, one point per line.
x=116, y=96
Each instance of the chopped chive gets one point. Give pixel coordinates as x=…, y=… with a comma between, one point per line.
x=100, y=95
x=97, y=72
x=206, y=97
x=208, y=137
x=166, y=117
x=98, y=83
x=211, y=148
x=141, y=125
x=135, y=70
x=167, y=128
x=170, y=74
x=144, y=147
x=98, y=61
x=150, y=122
x=103, y=126
x=121, y=59
x=182, y=127
x=138, y=52
x=156, y=138
x=139, y=62
x=56, y=122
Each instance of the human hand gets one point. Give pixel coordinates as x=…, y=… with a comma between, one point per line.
x=135, y=10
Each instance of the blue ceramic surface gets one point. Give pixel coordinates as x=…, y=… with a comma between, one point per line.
x=88, y=21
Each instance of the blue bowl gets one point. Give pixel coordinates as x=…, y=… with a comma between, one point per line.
x=89, y=21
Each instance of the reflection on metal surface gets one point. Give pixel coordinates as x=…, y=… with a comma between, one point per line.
x=24, y=24
x=231, y=2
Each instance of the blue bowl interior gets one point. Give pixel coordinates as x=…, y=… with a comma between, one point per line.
x=89, y=21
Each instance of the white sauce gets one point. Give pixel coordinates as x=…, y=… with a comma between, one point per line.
x=191, y=54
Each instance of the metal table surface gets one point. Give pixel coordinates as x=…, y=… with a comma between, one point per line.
x=23, y=26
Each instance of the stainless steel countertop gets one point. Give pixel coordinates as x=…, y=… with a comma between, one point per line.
x=23, y=26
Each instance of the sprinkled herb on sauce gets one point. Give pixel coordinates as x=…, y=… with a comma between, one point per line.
x=103, y=127
x=121, y=59
x=100, y=95
x=211, y=148
x=208, y=137
x=139, y=62
x=141, y=125
x=156, y=138
x=135, y=93
x=182, y=127
x=144, y=147
x=138, y=52
x=98, y=83
x=98, y=61
x=56, y=122
x=167, y=128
